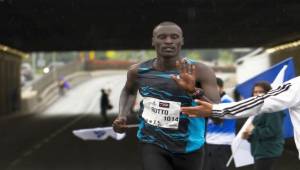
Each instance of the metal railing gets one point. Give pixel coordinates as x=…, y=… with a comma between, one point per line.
x=55, y=74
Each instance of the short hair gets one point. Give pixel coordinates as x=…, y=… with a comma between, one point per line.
x=220, y=82
x=166, y=23
x=264, y=85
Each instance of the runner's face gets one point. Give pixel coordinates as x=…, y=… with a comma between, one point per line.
x=167, y=40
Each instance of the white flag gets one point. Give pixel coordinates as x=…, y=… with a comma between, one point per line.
x=241, y=149
x=99, y=133
x=279, y=78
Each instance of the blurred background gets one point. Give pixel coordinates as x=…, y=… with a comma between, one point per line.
x=57, y=56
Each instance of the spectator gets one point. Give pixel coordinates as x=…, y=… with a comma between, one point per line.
x=265, y=134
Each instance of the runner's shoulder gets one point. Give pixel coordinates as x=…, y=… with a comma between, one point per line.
x=133, y=70
x=199, y=65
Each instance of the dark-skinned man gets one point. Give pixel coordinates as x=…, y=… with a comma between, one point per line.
x=169, y=139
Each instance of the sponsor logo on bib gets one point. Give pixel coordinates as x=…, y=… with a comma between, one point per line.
x=163, y=104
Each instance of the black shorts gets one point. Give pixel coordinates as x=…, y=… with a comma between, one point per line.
x=156, y=158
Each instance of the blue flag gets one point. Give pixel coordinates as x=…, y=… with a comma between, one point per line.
x=245, y=88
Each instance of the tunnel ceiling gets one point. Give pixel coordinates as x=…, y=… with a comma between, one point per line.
x=62, y=25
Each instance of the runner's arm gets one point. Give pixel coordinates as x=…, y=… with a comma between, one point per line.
x=127, y=99
x=207, y=77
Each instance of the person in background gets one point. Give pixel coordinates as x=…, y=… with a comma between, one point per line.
x=284, y=96
x=265, y=134
x=104, y=105
x=108, y=92
x=219, y=137
x=61, y=86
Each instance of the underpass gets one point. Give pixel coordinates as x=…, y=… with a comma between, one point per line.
x=45, y=140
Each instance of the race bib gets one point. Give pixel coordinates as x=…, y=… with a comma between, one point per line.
x=161, y=113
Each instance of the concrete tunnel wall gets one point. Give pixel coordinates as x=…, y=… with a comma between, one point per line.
x=10, y=62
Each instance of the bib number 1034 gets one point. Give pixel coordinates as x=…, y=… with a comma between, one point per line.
x=161, y=113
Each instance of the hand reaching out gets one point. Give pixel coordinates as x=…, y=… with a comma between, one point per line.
x=203, y=109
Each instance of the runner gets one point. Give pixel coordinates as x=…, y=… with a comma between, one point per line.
x=169, y=140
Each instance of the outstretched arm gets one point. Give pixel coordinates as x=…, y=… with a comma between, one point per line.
x=222, y=110
x=282, y=97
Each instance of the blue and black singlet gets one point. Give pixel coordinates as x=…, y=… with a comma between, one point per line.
x=189, y=136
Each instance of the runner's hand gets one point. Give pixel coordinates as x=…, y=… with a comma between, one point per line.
x=187, y=76
x=119, y=125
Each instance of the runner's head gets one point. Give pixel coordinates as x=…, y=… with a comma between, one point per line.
x=167, y=39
